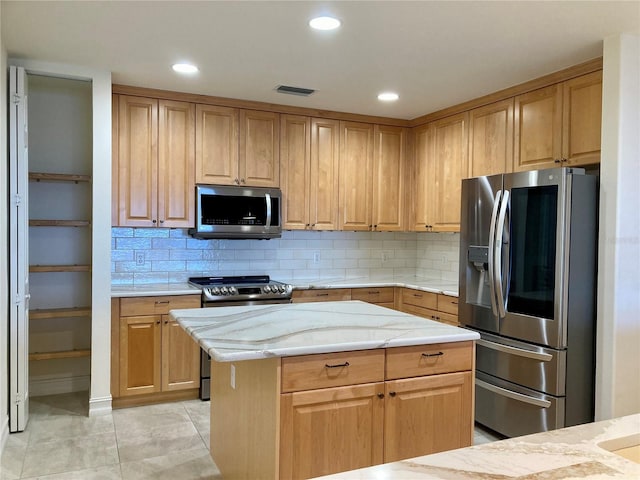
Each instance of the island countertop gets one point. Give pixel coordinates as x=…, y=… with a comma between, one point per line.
x=583, y=451
x=262, y=331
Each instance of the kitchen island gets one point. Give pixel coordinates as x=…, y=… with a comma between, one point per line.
x=301, y=390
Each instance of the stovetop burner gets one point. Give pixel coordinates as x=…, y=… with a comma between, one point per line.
x=241, y=290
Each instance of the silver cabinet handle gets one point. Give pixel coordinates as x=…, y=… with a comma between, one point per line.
x=542, y=357
x=513, y=395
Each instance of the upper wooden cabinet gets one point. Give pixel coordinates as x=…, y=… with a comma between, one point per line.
x=154, y=158
x=237, y=147
x=309, y=162
x=389, y=178
x=356, y=166
x=491, y=139
x=423, y=177
x=559, y=125
x=372, y=177
x=582, y=119
x=450, y=159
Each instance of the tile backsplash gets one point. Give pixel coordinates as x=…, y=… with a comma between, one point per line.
x=159, y=255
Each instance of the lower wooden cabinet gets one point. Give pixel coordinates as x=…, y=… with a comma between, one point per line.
x=151, y=355
x=383, y=296
x=331, y=430
x=434, y=306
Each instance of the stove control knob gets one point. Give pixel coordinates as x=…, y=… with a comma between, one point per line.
x=267, y=289
x=233, y=291
x=223, y=290
x=215, y=291
x=282, y=288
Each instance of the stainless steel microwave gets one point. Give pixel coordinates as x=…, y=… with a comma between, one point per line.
x=237, y=212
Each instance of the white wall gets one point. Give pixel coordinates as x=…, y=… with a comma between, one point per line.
x=618, y=352
x=100, y=395
x=4, y=324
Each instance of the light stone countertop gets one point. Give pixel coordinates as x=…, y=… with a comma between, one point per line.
x=264, y=331
x=569, y=453
x=418, y=283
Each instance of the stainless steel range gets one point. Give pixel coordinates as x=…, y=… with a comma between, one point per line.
x=236, y=291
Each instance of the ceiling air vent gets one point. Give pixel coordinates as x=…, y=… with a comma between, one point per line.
x=305, y=92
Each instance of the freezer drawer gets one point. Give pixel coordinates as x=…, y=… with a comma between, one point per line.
x=538, y=368
x=513, y=410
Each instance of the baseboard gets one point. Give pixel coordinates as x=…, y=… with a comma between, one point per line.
x=4, y=434
x=55, y=386
x=99, y=406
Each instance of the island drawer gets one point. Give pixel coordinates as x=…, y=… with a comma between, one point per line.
x=161, y=305
x=448, y=304
x=308, y=372
x=321, y=295
x=419, y=298
x=373, y=295
x=415, y=361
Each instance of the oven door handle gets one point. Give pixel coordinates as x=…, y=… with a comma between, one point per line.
x=520, y=352
x=513, y=395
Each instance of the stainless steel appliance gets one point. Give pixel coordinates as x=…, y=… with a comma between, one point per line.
x=528, y=286
x=234, y=291
x=237, y=212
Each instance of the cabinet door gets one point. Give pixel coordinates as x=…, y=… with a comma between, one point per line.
x=538, y=129
x=137, y=161
x=426, y=415
x=295, y=154
x=451, y=162
x=140, y=354
x=423, y=179
x=259, y=164
x=216, y=145
x=389, y=178
x=582, y=119
x=331, y=430
x=323, y=189
x=180, y=357
x=176, y=164
x=356, y=159
x=491, y=139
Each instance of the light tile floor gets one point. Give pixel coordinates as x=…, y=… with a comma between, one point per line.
x=168, y=441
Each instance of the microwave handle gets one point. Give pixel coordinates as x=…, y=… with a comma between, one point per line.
x=268, y=199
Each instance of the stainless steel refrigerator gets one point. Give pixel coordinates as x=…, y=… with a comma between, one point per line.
x=528, y=286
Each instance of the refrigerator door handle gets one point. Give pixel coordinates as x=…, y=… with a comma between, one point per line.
x=542, y=357
x=492, y=253
x=513, y=395
x=497, y=268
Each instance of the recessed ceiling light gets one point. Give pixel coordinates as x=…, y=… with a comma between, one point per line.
x=184, y=68
x=324, y=23
x=388, y=97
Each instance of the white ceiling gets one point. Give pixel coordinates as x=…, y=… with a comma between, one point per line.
x=434, y=54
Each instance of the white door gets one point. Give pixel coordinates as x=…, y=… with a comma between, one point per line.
x=18, y=252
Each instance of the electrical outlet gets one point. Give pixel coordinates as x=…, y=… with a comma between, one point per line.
x=316, y=257
x=385, y=256
x=139, y=258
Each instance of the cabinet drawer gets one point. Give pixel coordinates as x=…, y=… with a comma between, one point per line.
x=405, y=362
x=447, y=318
x=324, y=370
x=419, y=298
x=321, y=295
x=373, y=295
x=157, y=305
x=448, y=304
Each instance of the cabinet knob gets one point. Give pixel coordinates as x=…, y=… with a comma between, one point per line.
x=237, y=182
x=161, y=221
x=153, y=221
x=313, y=225
x=166, y=322
x=158, y=322
x=392, y=394
x=381, y=395
x=375, y=226
x=308, y=225
x=557, y=160
x=564, y=160
x=242, y=180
